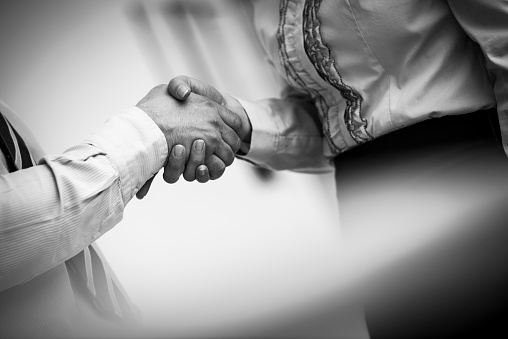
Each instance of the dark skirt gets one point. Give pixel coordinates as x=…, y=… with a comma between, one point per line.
x=429, y=205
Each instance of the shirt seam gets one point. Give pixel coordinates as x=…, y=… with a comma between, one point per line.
x=377, y=59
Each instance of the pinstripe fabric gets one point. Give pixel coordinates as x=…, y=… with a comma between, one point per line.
x=51, y=212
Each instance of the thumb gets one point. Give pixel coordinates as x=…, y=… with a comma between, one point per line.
x=182, y=86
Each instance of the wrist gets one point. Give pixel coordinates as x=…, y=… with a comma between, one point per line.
x=246, y=131
x=234, y=105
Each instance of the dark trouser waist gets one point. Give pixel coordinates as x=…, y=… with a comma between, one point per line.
x=479, y=126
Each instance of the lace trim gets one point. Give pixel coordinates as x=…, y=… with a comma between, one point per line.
x=321, y=57
x=292, y=74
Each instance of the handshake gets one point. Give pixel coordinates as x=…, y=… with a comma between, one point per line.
x=204, y=129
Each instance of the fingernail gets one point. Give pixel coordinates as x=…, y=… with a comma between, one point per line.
x=182, y=91
x=199, y=145
x=201, y=172
x=178, y=150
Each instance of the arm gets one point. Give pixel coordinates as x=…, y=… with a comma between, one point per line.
x=50, y=212
x=286, y=135
x=486, y=23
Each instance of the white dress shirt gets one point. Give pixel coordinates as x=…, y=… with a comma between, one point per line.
x=51, y=212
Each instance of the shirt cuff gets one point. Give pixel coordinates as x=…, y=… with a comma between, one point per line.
x=263, y=144
x=135, y=145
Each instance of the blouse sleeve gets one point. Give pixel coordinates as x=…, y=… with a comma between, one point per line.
x=286, y=134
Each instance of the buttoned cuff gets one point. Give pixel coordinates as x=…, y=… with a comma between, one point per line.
x=135, y=145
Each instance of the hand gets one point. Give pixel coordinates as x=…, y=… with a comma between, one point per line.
x=197, y=118
x=175, y=166
x=195, y=168
x=182, y=86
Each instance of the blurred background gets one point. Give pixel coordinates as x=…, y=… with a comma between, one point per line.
x=252, y=254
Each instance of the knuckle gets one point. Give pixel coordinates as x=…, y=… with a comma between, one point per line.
x=219, y=110
x=236, y=121
x=176, y=82
x=173, y=84
x=215, y=138
x=217, y=126
x=173, y=168
x=209, y=104
x=178, y=79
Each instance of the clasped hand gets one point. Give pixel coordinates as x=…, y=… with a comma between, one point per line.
x=204, y=129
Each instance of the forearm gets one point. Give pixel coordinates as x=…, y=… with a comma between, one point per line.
x=47, y=216
x=50, y=212
x=286, y=135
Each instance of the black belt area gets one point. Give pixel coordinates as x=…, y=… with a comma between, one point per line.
x=482, y=126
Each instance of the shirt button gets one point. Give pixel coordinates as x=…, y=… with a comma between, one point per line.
x=96, y=235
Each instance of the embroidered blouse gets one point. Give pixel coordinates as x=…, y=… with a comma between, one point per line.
x=354, y=70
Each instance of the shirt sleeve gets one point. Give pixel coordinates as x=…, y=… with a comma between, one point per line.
x=286, y=134
x=486, y=23
x=50, y=212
